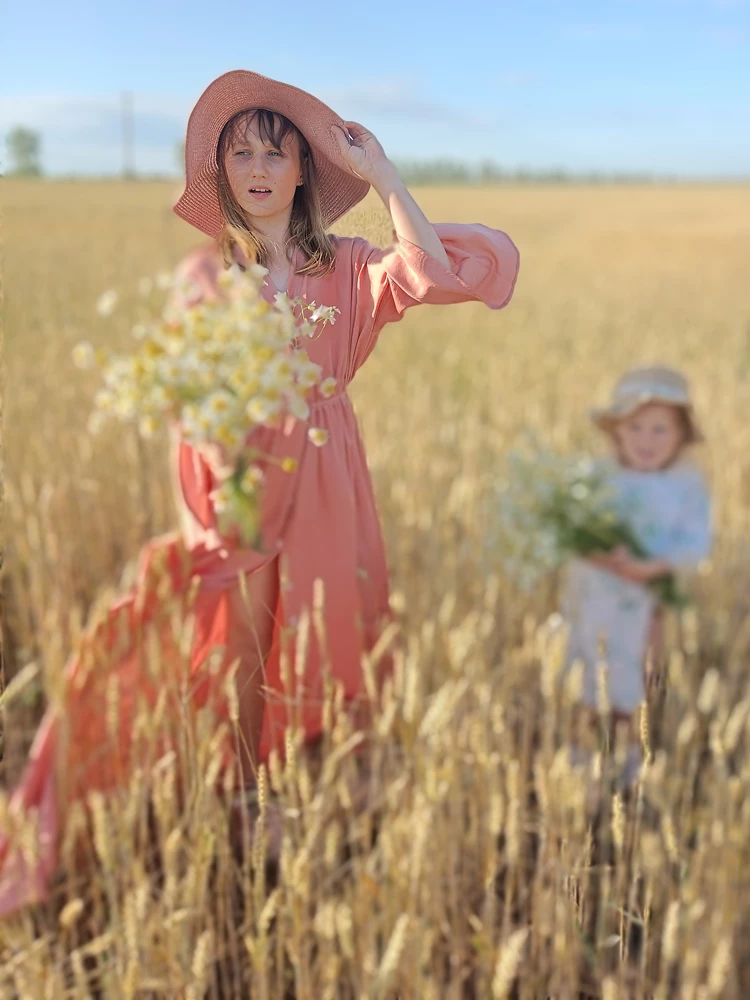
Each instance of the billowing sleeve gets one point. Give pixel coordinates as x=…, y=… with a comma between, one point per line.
x=690, y=539
x=195, y=277
x=483, y=267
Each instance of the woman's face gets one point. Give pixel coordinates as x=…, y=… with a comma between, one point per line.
x=650, y=438
x=263, y=178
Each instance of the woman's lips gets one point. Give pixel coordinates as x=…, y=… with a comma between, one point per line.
x=259, y=193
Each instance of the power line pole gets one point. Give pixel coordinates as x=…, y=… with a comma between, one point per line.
x=128, y=136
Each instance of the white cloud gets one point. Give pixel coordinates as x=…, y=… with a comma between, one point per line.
x=82, y=133
x=72, y=112
x=400, y=98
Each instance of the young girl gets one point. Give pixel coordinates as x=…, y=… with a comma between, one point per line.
x=611, y=614
x=269, y=169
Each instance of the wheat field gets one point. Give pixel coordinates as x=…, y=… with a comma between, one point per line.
x=476, y=869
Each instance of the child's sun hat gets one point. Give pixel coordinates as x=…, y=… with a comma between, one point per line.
x=242, y=90
x=641, y=386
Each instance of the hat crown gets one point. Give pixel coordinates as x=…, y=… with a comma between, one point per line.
x=642, y=386
x=218, y=104
x=653, y=383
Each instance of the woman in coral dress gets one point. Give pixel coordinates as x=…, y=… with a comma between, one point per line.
x=269, y=168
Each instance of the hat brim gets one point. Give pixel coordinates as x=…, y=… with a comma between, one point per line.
x=240, y=90
x=607, y=418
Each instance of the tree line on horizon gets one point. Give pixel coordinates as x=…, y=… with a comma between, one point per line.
x=24, y=159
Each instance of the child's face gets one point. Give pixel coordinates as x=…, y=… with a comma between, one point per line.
x=650, y=438
x=263, y=179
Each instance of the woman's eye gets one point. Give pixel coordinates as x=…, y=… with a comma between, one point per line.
x=274, y=152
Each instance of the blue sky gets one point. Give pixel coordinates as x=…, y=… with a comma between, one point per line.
x=634, y=85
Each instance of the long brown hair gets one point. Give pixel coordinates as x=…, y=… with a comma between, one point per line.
x=306, y=229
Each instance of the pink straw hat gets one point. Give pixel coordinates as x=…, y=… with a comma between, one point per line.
x=241, y=90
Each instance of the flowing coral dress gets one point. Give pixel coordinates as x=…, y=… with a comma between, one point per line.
x=321, y=521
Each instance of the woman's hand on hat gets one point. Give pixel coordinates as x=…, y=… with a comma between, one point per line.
x=365, y=157
x=361, y=151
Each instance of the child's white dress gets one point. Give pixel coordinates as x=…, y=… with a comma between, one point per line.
x=670, y=514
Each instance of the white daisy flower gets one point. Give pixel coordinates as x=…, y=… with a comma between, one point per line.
x=298, y=407
x=107, y=303
x=318, y=436
x=83, y=356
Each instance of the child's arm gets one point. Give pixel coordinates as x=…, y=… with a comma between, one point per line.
x=367, y=158
x=624, y=564
x=688, y=544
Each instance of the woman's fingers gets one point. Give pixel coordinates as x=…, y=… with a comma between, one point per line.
x=356, y=128
x=341, y=138
x=352, y=153
x=361, y=136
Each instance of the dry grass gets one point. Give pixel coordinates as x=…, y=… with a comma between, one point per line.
x=474, y=871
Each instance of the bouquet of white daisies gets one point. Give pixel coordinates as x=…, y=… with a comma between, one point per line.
x=220, y=368
x=553, y=507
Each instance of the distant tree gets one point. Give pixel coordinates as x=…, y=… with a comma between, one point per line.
x=179, y=153
x=490, y=172
x=434, y=172
x=452, y=172
x=24, y=152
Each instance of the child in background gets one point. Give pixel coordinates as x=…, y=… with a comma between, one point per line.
x=611, y=614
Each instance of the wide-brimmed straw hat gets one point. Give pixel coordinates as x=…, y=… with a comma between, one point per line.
x=241, y=90
x=641, y=386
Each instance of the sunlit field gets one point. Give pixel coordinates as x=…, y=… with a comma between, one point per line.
x=476, y=868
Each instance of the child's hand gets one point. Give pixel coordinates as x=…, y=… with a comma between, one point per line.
x=363, y=154
x=612, y=560
x=624, y=564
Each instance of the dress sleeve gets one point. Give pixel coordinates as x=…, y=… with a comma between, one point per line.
x=690, y=540
x=196, y=277
x=483, y=267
